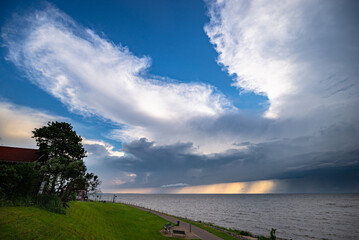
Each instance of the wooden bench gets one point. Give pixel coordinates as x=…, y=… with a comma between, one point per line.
x=179, y=232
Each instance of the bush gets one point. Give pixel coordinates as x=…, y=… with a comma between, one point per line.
x=272, y=235
x=17, y=181
x=6, y=203
x=50, y=202
x=17, y=184
x=245, y=233
x=22, y=201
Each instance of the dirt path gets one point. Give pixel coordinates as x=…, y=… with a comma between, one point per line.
x=203, y=234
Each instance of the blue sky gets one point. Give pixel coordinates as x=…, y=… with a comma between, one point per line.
x=190, y=96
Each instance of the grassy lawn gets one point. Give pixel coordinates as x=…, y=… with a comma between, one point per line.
x=83, y=220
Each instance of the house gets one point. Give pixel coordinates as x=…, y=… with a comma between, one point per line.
x=14, y=155
x=10, y=155
x=13, y=161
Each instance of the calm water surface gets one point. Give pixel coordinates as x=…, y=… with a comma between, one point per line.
x=295, y=216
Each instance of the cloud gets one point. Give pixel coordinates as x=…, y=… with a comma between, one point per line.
x=92, y=75
x=300, y=54
x=128, y=177
x=288, y=165
x=326, y=161
x=174, y=185
x=108, y=147
x=18, y=122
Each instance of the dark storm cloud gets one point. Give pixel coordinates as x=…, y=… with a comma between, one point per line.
x=305, y=163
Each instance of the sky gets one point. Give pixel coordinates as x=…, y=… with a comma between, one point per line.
x=189, y=96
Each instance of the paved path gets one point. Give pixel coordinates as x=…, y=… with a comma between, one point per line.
x=203, y=234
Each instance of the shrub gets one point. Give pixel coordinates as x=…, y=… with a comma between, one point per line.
x=22, y=201
x=245, y=233
x=17, y=184
x=17, y=181
x=272, y=235
x=50, y=202
x=6, y=203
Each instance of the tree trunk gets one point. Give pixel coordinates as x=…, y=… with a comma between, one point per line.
x=53, y=184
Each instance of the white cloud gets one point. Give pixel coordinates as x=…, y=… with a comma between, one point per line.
x=18, y=122
x=92, y=75
x=249, y=37
x=284, y=50
x=270, y=47
x=108, y=147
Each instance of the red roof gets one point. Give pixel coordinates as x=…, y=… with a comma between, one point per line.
x=14, y=154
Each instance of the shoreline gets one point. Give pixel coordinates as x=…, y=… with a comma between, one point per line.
x=192, y=222
x=298, y=216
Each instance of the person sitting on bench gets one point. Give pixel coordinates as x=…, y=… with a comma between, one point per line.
x=167, y=227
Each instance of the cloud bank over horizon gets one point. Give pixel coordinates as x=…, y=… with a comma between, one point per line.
x=303, y=58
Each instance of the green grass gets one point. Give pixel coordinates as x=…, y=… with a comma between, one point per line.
x=235, y=231
x=83, y=220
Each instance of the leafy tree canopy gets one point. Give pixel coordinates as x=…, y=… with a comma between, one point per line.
x=61, y=164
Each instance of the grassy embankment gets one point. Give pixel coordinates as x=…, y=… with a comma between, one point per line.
x=86, y=220
x=83, y=220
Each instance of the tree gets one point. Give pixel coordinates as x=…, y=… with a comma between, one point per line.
x=61, y=164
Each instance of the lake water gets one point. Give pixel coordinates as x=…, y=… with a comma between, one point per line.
x=295, y=216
